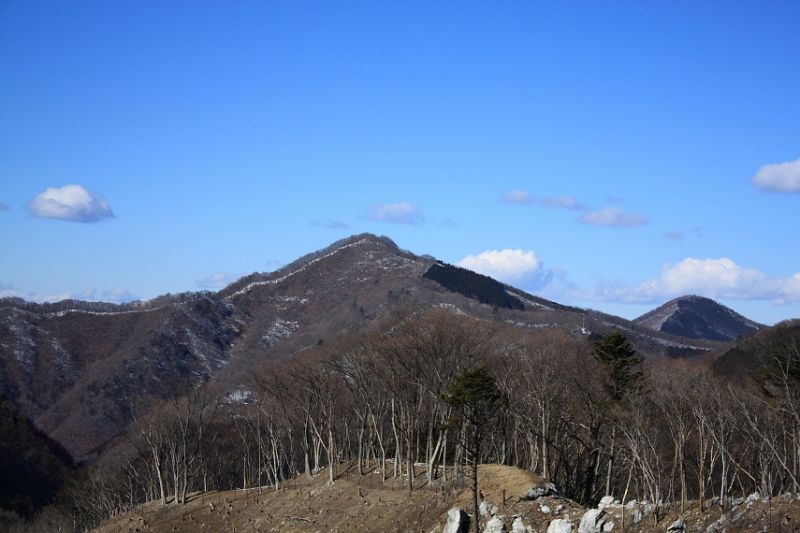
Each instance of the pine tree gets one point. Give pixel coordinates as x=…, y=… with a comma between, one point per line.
x=623, y=378
x=476, y=400
x=621, y=363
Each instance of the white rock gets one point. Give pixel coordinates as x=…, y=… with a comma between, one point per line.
x=495, y=525
x=518, y=526
x=457, y=521
x=545, y=509
x=756, y=496
x=559, y=525
x=605, y=501
x=592, y=521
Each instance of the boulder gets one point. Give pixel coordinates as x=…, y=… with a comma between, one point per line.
x=755, y=497
x=559, y=525
x=545, y=489
x=487, y=509
x=457, y=521
x=595, y=521
x=495, y=525
x=518, y=526
x=605, y=501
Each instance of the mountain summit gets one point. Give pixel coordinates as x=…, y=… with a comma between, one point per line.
x=696, y=317
x=77, y=369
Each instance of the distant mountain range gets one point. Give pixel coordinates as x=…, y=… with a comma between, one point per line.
x=77, y=369
x=696, y=317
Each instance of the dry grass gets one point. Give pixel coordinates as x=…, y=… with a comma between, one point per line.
x=313, y=505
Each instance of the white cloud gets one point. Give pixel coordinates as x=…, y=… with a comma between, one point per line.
x=779, y=177
x=562, y=202
x=613, y=218
x=91, y=294
x=517, y=196
x=116, y=295
x=718, y=278
x=217, y=280
x=70, y=202
x=521, y=196
x=396, y=213
x=509, y=265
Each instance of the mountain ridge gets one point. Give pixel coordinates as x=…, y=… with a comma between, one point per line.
x=79, y=368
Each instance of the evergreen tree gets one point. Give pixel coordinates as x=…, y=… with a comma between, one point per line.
x=621, y=363
x=476, y=400
x=623, y=378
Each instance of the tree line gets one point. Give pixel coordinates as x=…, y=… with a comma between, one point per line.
x=588, y=414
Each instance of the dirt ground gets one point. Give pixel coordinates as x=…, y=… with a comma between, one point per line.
x=365, y=504
x=313, y=505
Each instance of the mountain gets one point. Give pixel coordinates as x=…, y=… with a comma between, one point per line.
x=696, y=317
x=32, y=466
x=768, y=352
x=80, y=369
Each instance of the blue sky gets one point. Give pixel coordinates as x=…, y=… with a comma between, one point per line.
x=604, y=154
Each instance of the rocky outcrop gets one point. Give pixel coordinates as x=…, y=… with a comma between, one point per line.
x=560, y=525
x=457, y=521
x=495, y=525
x=595, y=521
x=540, y=491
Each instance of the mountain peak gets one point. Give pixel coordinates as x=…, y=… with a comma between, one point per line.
x=698, y=317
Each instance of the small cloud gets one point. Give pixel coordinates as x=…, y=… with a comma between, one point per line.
x=4, y=207
x=699, y=231
x=562, y=202
x=615, y=199
x=216, y=281
x=521, y=196
x=330, y=224
x=517, y=196
x=116, y=295
x=396, y=213
x=673, y=235
x=779, y=177
x=613, y=218
x=70, y=202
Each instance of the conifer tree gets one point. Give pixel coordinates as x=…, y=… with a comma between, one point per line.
x=476, y=400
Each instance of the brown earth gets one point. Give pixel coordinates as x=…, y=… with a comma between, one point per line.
x=368, y=505
x=314, y=505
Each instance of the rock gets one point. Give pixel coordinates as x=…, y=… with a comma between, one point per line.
x=546, y=489
x=605, y=501
x=595, y=521
x=677, y=525
x=487, y=509
x=756, y=496
x=518, y=526
x=559, y=525
x=495, y=525
x=545, y=509
x=457, y=521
